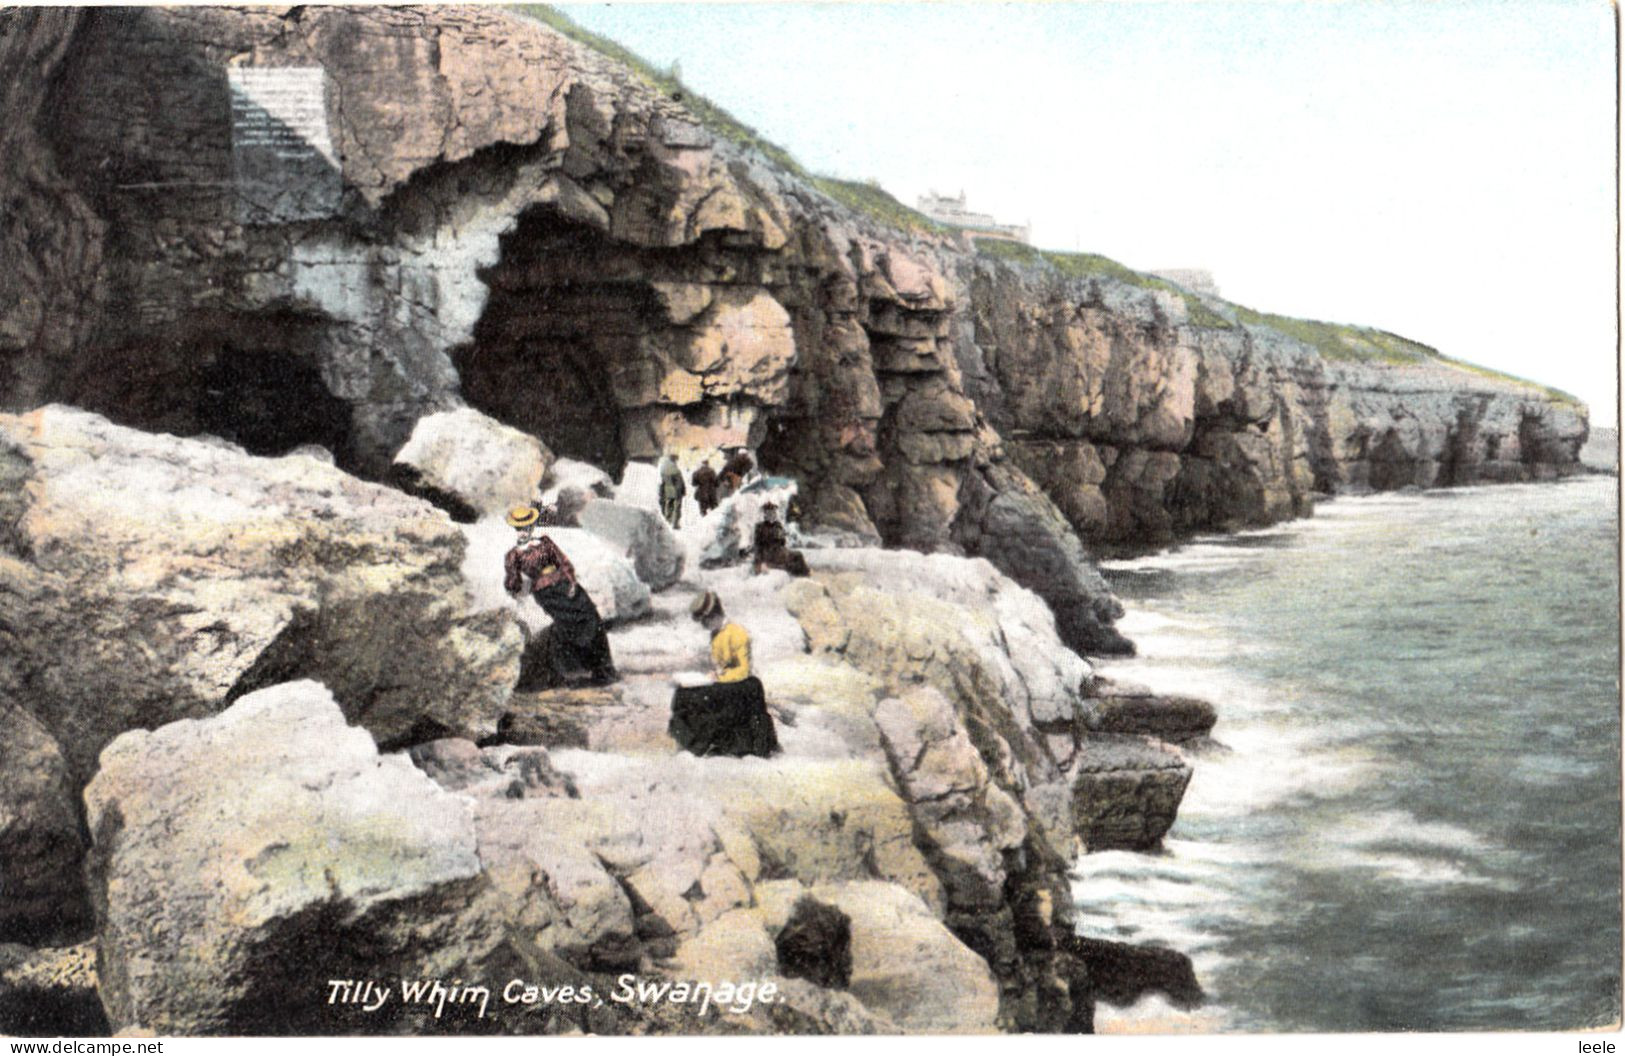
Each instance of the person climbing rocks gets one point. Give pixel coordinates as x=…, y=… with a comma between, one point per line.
x=705, y=481
x=735, y=470
x=672, y=490
x=578, y=632
x=771, y=546
x=728, y=716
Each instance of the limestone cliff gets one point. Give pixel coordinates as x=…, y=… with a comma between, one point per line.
x=1146, y=410
x=474, y=208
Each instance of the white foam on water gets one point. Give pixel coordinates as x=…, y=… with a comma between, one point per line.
x=1411, y=869
x=1137, y=622
x=1188, y=559
x=1154, y=1015
x=1402, y=827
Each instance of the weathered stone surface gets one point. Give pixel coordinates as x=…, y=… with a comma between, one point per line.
x=50, y=992
x=1126, y=791
x=643, y=535
x=216, y=909
x=909, y=967
x=1130, y=708
x=967, y=821
x=571, y=484
x=41, y=895
x=960, y=626
x=146, y=578
x=508, y=771
x=556, y=718
x=989, y=648
x=471, y=464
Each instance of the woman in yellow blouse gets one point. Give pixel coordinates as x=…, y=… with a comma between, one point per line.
x=729, y=716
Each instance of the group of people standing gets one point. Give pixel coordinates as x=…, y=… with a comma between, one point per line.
x=710, y=485
x=770, y=545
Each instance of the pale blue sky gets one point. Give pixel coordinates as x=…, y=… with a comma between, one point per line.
x=1442, y=170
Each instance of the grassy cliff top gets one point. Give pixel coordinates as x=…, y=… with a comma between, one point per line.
x=863, y=197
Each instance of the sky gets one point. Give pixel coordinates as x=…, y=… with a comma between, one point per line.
x=1444, y=170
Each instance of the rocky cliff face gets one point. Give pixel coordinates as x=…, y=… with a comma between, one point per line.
x=1145, y=411
x=474, y=208
x=483, y=211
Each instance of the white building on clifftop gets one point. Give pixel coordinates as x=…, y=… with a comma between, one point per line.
x=952, y=211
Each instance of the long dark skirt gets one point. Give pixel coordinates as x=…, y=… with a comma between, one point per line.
x=785, y=558
x=577, y=630
x=723, y=718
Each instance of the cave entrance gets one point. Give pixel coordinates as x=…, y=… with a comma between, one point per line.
x=270, y=402
x=565, y=314
x=252, y=380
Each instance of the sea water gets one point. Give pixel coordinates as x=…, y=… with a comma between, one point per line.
x=1416, y=826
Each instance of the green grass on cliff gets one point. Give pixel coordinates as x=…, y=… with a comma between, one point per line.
x=669, y=84
x=1337, y=341
x=1092, y=265
x=864, y=197
x=1557, y=395
x=869, y=198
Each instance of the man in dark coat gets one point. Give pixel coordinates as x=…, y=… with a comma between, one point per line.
x=772, y=547
x=577, y=629
x=705, y=481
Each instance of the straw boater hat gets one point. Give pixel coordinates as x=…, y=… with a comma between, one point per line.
x=523, y=516
x=705, y=605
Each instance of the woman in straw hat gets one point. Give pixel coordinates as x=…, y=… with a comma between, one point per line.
x=578, y=630
x=729, y=716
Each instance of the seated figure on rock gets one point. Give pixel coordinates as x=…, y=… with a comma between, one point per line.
x=771, y=546
x=578, y=632
x=728, y=716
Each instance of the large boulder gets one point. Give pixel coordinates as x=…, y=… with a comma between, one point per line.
x=909, y=967
x=145, y=578
x=641, y=534
x=241, y=861
x=1126, y=707
x=1126, y=791
x=571, y=484
x=470, y=464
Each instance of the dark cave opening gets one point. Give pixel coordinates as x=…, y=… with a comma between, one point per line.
x=251, y=380
x=269, y=402
x=563, y=322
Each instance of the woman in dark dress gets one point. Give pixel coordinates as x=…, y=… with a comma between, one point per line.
x=577, y=629
x=772, y=546
x=729, y=716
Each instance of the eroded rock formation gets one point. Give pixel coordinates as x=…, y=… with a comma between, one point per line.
x=510, y=219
